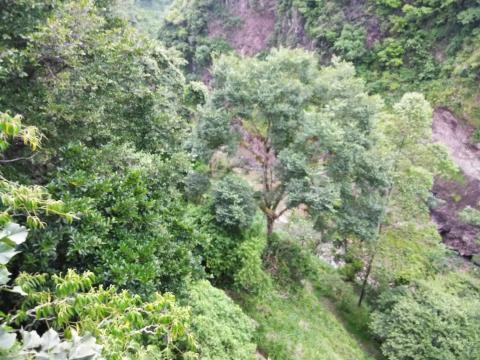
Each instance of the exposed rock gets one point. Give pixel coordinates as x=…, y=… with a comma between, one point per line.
x=253, y=34
x=292, y=31
x=456, y=135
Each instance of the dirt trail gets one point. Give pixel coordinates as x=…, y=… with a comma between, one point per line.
x=456, y=135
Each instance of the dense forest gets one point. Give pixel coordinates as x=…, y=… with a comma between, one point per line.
x=240, y=179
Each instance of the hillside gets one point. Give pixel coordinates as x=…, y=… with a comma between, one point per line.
x=239, y=179
x=361, y=32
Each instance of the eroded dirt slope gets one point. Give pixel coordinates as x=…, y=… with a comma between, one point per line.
x=456, y=135
x=254, y=32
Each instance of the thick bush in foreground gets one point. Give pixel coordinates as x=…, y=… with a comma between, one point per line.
x=124, y=324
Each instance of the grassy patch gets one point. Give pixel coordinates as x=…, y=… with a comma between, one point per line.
x=298, y=325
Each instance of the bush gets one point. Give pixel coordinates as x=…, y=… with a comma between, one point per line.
x=196, y=184
x=127, y=326
x=250, y=276
x=221, y=329
x=351, y=44
x=470, y=216
x=390, y=53
x=233, y=258
x=233, y=203
x=289, y=262
x=476, y=136
x=427, y=322
x=129, y=230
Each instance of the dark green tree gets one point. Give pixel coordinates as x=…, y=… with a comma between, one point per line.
x=300, y=130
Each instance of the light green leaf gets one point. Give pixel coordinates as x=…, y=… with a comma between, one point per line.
x=7, y=340
x=15, y=233
x=6, y=253
x=4, y=276
x=31, y=339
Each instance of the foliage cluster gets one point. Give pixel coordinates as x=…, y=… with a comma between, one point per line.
x=185, y=28
x=126, y=325
x=222, y=330
x=162, y=182
x=399, y=43
x=430, y=320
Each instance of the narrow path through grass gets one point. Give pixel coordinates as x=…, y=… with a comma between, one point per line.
x=299, y=325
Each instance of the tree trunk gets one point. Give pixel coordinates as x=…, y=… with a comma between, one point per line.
x=365, y=281
x=270, y=222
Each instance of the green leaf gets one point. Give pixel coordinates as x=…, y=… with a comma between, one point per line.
x=31, y=339
x=7, y=340
x=14, y=234
x=4, y=276
x=6, y=253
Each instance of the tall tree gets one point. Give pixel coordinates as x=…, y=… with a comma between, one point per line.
x=404, y=230
x=300, y=129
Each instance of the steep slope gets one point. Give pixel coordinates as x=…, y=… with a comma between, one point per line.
x=257, y=32
x=300, y=326
x=450, y=131
x=255, y=28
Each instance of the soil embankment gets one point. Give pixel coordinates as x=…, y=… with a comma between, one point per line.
x=253, y=34
x=456, y=136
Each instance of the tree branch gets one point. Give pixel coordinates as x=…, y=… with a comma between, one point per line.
x=18, y=159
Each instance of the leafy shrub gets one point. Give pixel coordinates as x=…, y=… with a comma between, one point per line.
x=289, y=262
x=471, y=216
x=351, y=43
x=233, y=203
x=214, y=131
x=128, y=75
x=390, y=53
x=195, y=93
x=196, y=184
x=251, y=276
x=126, y=326
x=476, y=136
x=210, y=48
x=49, y=345
x=426, y=322
x=222, y=331
x=233, y=258
x=202, y=55
x=129, y=230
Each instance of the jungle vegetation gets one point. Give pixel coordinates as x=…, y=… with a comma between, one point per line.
x=145, y=214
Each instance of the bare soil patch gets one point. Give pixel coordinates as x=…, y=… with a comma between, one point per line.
x=456, y=135
x=253, y=35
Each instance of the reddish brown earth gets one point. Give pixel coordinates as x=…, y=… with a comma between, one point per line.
x=456, y=135
x=253, y=34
